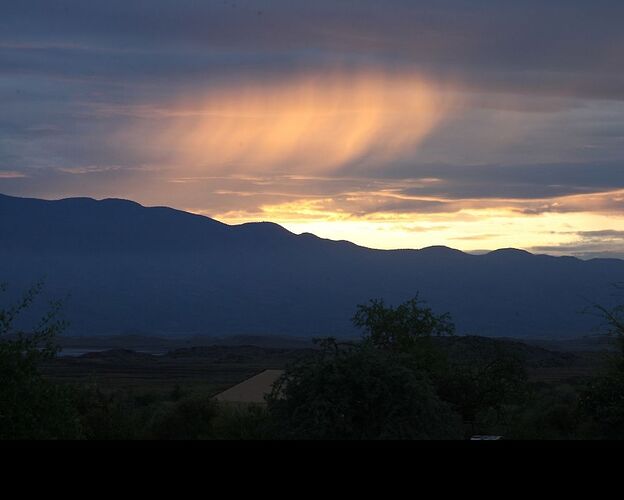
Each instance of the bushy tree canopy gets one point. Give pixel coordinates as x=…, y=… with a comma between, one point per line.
x=360, y=393
x=603, y=398
x=31, y=407
x=401, y=328
x=397, y=382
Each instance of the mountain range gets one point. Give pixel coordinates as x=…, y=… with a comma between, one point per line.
x=124, y=268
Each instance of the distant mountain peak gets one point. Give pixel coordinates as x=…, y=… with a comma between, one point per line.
x=510, y=251
x=263, y=223
x=163, y=271
x=442, y=250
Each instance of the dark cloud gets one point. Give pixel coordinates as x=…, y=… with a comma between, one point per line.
x=529, y=190
x=589, y=244
x=529, y=181
x=581, y=251
x=559, y=47
x=606, y=234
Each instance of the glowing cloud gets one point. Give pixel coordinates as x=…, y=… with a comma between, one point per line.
x=303, y=124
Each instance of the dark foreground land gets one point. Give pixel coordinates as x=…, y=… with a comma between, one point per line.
x=211, y=365
x=445, y=387
x=205, y=369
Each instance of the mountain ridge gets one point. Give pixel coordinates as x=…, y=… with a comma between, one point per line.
x=275, y=226
x=166, y=271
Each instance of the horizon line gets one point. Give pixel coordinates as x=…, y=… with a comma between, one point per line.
x=475, y=253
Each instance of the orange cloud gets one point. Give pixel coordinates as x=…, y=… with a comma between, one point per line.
x=305, y=124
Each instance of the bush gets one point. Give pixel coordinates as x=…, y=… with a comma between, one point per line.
x=360, y=393
x=550, y=413
x=111, y=416
x=189, y=418
x=400, y=329
x=249, y=422
x=602, y=401
x=482, y=384
x=31, y=407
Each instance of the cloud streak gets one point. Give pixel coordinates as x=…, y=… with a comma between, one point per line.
x=308, y=124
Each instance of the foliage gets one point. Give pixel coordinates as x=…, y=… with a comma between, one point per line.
x=360, y=393
x=483, y=383
x=402, y=328
x=31, y=407
x=397, y=383
x=603, y=398
x=174, y=416
x=247, y=421
x=550, y=412
x=614, y=317
x=603, y=402
x=112, y=416
x=21, y=351
x=191, y=417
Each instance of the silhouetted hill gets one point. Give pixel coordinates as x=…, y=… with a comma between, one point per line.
x=118, y=355
x=128, y=268
x=238, y=354
x=466, y=348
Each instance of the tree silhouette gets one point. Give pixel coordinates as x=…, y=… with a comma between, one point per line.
x=400, y=328
x=603, y=398
x=30, y=406
x=380, y=388
x=360, y=393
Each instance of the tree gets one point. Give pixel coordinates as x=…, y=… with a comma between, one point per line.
x=30, y=406
x=481, y=380
x=360, y=392
x=381, y=388
x=403, y=328
x=615, y=325
x=603, y=398
x=397, y=380
x=189, y=418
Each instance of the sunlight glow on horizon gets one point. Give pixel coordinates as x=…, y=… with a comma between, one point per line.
x=468, y=229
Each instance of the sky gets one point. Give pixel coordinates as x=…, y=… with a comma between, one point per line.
x=475, y=124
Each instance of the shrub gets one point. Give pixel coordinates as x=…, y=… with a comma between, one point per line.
x=189, y=418
x=360, y=393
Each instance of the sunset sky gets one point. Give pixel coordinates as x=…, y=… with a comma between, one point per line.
x=475, y=124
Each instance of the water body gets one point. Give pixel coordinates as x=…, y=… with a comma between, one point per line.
x=79, y=351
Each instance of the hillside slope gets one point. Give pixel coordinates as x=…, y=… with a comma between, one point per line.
x=127, y=268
